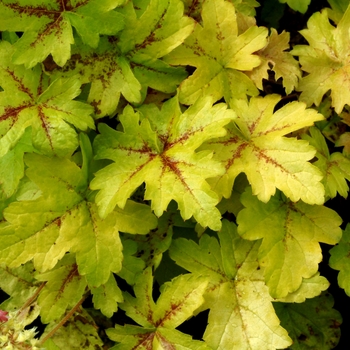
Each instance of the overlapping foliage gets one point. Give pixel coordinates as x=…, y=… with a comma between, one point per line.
x=139, y=148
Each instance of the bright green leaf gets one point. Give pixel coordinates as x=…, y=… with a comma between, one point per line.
x=160, y=151
x=255, y=144
x=107, y=296
x=290, y=234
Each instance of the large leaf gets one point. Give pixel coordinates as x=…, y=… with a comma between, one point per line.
x=255, y=145
x=290, y=234
x=160, y=151
x=176, y=303
x=62, y=220
x=47, y=26
x=220, y=55
x=31, y=99
x=326, y=60
x=239, y=301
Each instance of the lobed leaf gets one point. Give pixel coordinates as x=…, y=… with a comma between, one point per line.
x=160, y=151
x=62, y=219
x=241, y=315
x=30, y=99
x=255, y=144
x=326, y=59
x=47, y=26
x=220, y=55
x=63, y=289
x=290, y=234
x=176, y=303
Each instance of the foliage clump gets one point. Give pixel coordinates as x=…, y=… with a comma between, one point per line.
x=140, y=148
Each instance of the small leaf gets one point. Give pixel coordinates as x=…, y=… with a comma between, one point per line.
x=335, y=167
x=107, y=296
x=340, y=260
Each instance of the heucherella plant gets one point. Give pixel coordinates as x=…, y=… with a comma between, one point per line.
x=164, y=161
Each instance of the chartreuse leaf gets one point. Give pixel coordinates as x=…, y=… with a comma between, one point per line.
x=255, y=144
x=127, y=65
x=177, y=302
x=290, y=234
x=63, y=289
x=79, y=332
x=340, y=260
x=309, y=288
x=19, y=283
x=220, y=55
x=313, y=324
x=274, y=57
x=47, y=26
x=160, y=151
x=30, y=99
x=107, y=296
x=326, y=60
x=132, y=266
x=62, y=220
x=109, y=74
x=335, y=167
x=12, y=165
x=241, y=313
